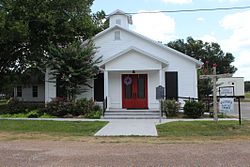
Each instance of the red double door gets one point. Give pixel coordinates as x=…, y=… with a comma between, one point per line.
x=134, y=91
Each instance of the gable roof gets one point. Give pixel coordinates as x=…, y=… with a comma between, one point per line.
x=132, y=48
x=197, y=62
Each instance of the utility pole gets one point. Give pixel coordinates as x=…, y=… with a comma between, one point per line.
x=214, y=78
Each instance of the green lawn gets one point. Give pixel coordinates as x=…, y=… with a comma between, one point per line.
x=62, y=128
x=3, y=106
x=247, y=95
x=204, y=128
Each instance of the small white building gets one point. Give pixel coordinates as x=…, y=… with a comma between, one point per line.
x=236, y=83
x=133, y=66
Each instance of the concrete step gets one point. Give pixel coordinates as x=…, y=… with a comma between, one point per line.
x=131, y=114
x=129, y=117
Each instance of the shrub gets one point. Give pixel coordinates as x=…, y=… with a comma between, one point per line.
x=170, y=107
x=84, y=106
x=59, y=107
x=47, y=116
x=63, y=108
x=93, y=115
x=15, y=106
x=194, y=109
x=33, y=114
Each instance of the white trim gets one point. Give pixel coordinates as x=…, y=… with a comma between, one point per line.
x=197, y=62
x=146, y=69
x=132, y=48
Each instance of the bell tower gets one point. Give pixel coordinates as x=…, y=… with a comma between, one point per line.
x=120, y=18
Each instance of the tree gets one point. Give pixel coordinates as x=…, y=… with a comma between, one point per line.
x=209, y=54
x=247, y=86
x=74, y=65
x=29, y=27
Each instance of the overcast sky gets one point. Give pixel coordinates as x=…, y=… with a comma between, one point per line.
x=231, y=29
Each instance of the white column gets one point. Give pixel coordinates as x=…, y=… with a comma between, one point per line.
x=50, y=86
x=106, y=87
x=161, y=77
x=15, y=91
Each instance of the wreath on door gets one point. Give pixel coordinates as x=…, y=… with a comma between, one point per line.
x=127, y=81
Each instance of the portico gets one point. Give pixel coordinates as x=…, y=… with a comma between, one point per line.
x=131, y=77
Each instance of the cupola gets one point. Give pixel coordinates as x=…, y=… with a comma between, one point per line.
x=120, y=18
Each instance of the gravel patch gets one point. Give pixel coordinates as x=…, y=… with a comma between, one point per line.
x=75, y=153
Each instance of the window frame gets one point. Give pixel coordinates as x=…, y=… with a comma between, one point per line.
x=117, y=35
x=19, y=91
x=118, y=21
x=34, y=93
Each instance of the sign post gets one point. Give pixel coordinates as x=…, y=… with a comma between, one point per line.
x=239, y=110
x=160, y=96
x=214, y=78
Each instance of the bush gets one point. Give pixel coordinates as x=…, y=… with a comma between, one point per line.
x=194, y=109
x=63, y=108
x=14, y=106
x=84, y=106
x=170, y=107
x=59, y=107
x=33, y=114
x=93, y=115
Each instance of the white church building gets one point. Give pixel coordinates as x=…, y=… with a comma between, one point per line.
x=132, y=67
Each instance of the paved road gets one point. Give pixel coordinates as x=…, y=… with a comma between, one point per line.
x=75, y=153
x=245, y=110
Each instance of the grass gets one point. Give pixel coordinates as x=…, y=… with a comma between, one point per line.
x=3, y=106
x=61, y=128
x=204, y=128
x=25, y=115
x=2, y=102
x=247, y=97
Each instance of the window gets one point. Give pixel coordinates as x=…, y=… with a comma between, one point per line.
x=19, y=91
x=99, y=87
x=118, y=21
x=35, y=91
x=171, y=85
x=117, y=35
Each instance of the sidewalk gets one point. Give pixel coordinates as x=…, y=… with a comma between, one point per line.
x=129, y=127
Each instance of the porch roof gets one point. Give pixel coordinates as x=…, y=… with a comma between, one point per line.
x=132, y=48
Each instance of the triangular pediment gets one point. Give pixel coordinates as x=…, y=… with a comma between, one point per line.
x=136, y=56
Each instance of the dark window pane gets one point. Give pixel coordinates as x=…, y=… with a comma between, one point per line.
x=99, y=87
x=128, y=91
x=171, y=85
x=141, y=87
x=128, y=82
x=35, y=91
x=19, y=91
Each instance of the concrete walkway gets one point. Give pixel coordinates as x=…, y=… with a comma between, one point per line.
x=129, y=127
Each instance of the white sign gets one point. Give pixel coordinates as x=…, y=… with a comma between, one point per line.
x=227, y=91
x=226, y=105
